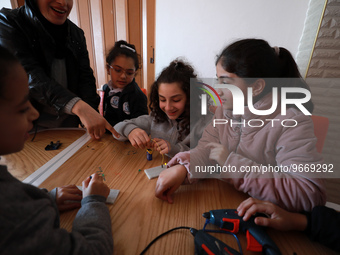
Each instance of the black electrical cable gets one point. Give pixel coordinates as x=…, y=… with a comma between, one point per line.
x=35, y=129
x=165, y=233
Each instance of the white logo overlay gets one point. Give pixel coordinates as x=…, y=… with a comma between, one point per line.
x=244, y=113
x=238, y=100
x=239, y=103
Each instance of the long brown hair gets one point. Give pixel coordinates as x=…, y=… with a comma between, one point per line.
x=255, y=58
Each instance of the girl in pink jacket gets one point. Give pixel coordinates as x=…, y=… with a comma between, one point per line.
x=267, y=148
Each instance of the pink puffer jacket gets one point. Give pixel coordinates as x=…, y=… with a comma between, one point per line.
x=259, y=148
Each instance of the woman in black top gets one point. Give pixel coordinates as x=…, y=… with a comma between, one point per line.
x=53, y=52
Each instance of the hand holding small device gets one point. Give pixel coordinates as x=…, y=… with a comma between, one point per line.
x=139, y=138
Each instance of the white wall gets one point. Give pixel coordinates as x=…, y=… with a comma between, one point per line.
x=199, y=29
x=5, y=3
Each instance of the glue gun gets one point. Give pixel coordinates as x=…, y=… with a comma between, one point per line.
x=206, y=244
x=257, y=238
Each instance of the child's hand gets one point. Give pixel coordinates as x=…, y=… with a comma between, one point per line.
x=279, y=218
x=218, y=152
x=139, y=138
x=95, y=186
x=69, y=194
x=162, y=146
x=169, y=181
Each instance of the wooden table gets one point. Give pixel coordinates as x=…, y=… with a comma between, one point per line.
x=34, y=155
x=137, y=216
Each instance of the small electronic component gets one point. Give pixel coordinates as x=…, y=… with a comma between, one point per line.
x=101, y=173
x=149, y=154
x=53, y=146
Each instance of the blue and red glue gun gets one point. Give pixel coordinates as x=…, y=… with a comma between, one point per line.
x=206, y=244
x=257, y=238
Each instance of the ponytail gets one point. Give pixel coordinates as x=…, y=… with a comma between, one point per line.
x=255, y=58
x=290, y=71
